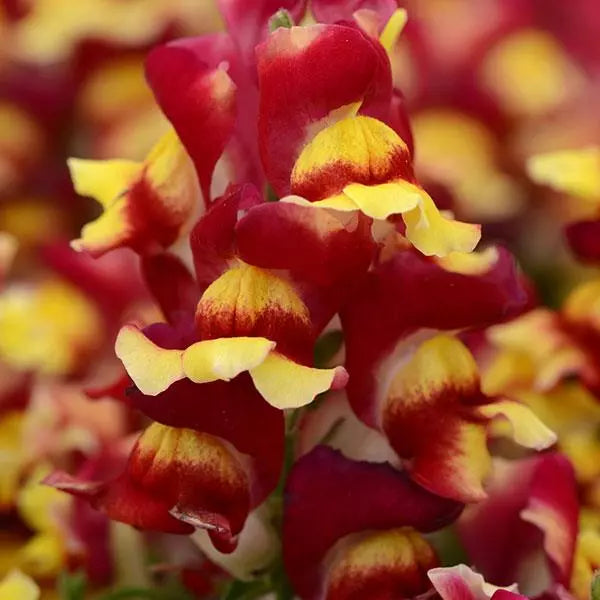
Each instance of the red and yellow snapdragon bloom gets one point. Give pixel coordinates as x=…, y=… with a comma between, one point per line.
x=282, y=347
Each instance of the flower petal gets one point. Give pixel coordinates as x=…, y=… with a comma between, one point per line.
x=525, y=497
x=199, y=101
x=381, y=565
x=334, y=67
x=375, y=322
x=231, y=410
x=329, y=497
x=462, y=583
x=353, y=150
x=17, y=585
x=145, y=204
x=224, y=358
x=527, y=429
x=152, y=368
x=286, y=384
x=575, y=172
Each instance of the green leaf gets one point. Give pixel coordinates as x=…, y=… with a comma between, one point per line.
x=72, y=586
x=327, y=346
x=245, y=590
x=134, y=594
x=595, y=588
x=172, y=590
x=281, y=18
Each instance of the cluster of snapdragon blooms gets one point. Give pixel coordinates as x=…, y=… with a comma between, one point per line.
x=339, y=380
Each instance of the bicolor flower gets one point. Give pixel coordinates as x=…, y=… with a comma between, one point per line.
x=149, y=205
x=332, y=140
x=173, y=480
x=249, y=318
x=145, y=205
x=349, y=528
x=401, y=296
x=436, y=418
x=249, y=25
x=577, y=174
x=529, y=518
x=570, y=346
x=231, y=411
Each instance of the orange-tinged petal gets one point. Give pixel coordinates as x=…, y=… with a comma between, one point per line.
x=576, y=172
x=250, y=301
x=430, y=417
x=353, y=150
x=286, y=384
x=438, y=363
x=527, y=429
x=17, y=586
x=382, y=564
x=224, y=358
x=152, y=368
x=460, y=470
x=194, y=473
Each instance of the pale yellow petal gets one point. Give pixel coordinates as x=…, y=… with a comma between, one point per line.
x=527, y=429
x=103, y=180
x=383, y=200
x=224, y=358
x=575, y=172
x=152, y=368
x=286, y=384
x=16, y=586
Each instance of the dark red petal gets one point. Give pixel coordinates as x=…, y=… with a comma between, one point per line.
x=543, y=485
x=123, y=501
x=233, y=411
x=171, y=284
x=196, y=96
x=410, y=292
x=213, y=238
x=309, y=242
x=304, y=74
x=584, y=239
x=328, y=496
